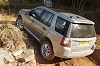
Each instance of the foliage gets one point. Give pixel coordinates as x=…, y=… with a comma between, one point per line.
x=4, y=4
x=94, y=4
x=78, y=6
x=28, y=4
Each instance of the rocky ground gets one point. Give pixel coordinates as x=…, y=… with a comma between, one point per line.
x=18, y=48
x=14, y=51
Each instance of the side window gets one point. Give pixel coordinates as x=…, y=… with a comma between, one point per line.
x=47, y=18
x=36, y=13
x=60, y=25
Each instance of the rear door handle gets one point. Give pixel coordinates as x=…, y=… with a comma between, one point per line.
x=44, y=28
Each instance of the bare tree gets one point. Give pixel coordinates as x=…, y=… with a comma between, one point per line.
x=21, y=1
x=78, y=5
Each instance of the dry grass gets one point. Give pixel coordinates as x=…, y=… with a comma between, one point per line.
x=11, y=38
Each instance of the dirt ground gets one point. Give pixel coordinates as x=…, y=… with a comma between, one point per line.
x=84, y=61
x=96, y=54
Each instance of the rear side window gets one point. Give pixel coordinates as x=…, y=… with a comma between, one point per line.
x=36, y=13
x=47, y=18
x=61, y=25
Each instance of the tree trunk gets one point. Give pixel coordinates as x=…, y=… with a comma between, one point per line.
x=78, y=5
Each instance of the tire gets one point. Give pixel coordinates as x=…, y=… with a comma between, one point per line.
x=47, y=50
x=19, y=23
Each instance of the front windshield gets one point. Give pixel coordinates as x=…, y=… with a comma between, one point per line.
x=82, y=31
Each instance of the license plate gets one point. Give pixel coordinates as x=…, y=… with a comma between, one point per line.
x=84, y=43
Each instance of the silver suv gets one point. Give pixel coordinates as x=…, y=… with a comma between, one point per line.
x=60, y=34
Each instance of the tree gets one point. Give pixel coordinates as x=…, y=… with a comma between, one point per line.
x=95, y=4
x=78, y=5
x=21, y=1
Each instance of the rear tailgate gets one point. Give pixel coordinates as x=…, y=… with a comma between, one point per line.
x=81, y=44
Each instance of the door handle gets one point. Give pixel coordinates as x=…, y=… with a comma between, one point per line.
x=44, y=28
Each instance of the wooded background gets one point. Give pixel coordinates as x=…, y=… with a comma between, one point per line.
x=86, y=8
x=76, y=5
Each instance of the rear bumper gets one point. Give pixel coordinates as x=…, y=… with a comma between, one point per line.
x=77, y=54
x=66, y=53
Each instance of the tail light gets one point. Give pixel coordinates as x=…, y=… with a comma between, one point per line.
x=65, y=42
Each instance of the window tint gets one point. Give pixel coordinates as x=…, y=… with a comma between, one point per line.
x=36, y=12
x=47, y=18
x=60, y=24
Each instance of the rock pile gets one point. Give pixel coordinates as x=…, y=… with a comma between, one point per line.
x=11, y=38
x=13, y=51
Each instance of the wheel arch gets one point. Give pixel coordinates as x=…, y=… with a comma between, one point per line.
x=51, y=42
x=19, y=16
x=46, y=38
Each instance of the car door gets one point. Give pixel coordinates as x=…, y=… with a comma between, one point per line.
x=31, y=19
x=43, y=26
x=27, y=21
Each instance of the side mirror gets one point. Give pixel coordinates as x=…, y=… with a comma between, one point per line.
x=26, y=13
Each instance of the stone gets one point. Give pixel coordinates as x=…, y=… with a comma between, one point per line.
x=6, y=55
x=17, y=52
x=28, y=55
x=6, y=64
x=5, y=58
x=21, y=64
x=15, y=63
x=32, y=62
x=21, y=60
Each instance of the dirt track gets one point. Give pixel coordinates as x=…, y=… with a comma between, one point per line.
x=84, y=61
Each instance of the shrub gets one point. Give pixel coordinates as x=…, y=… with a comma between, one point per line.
x=4, y=4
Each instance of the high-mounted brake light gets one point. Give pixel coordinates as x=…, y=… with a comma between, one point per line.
x=65, y=42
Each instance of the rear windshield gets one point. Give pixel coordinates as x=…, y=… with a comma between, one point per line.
x=82, y=31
